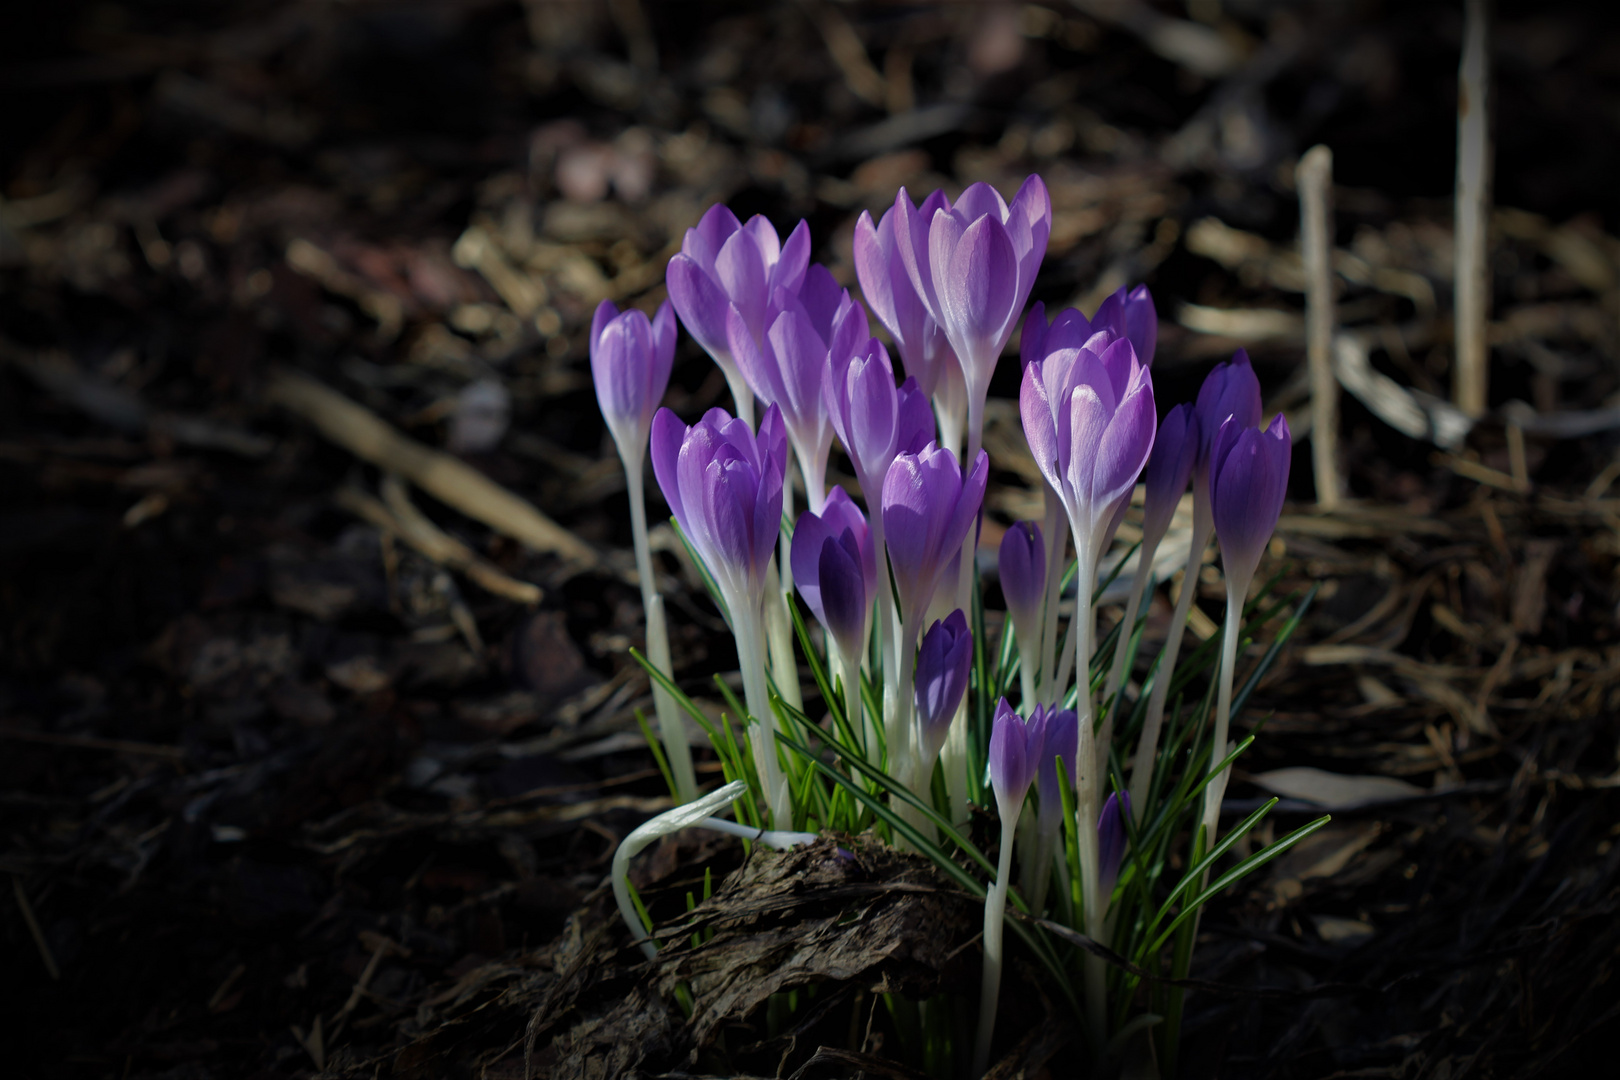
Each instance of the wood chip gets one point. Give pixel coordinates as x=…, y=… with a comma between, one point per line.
x=451, y=481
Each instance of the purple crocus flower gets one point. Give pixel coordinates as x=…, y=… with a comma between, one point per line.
x=724, y=264
x=943, y=664
x=973, y=264
x=1131, y=315
x=875, y=420
x=1111, y=841
x=893, y=298
x=724, y=485
x=1128, y=314
x=1015, y=749
x=1248, y=478
x=630, y=361
x=1060, y=737
x=1089, y=419
x=1229, y=390
x=810, y=333
x=1175, y=452
x=835, y=569
x=1022, y=564
x=928, y=510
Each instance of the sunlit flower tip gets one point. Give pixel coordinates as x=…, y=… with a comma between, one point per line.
x=1015, y=747
x=1111, y=840
x=1248, y=479
x=1175, y=451
x=1229, y=390
x=1022, y=563
x=723, y=263
x=928, y=510
x=1089, y=420
x=1060, y=738
x=630, y=361
x=835, y=569
x=943, y=664
x=1131, y=314
x=724, y=484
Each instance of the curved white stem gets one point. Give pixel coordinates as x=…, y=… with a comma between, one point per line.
x=995, y=911
x=1235, y=592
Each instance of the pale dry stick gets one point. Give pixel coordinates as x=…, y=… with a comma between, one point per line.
x=1315, y=182
x=1470, y=380
x=451, y=481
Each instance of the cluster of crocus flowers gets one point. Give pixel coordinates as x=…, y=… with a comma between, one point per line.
x=948, y=281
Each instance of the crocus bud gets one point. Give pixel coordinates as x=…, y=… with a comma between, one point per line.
x=724, y=485
x=1248, y=478
x=1068, y=330
x=1111, y=842
x=973, y=264
x=1175, y=451
x=724, y=264
x=928, y=511
x=1131, y=315
x=1089, y=420
x=864, y=406
x=1023, y=580
x=1229, y=390
x=943, y=664
x=1060, y=738
x=810, y=333
x=1015, y=748
x=835, y=569
x=630, y=361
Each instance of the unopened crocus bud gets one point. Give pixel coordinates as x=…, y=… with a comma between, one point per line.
x=724, y=485
x=1229, y=390
x=1111, y=842
x=724, y=264
x=943, y=664
x=916, y=428
x=893, y=298
x=864, y=406
x=1015, y=748
x=1175, y=452
x=630, y=360
x=1069, y=329
x=1022, y=562
x=1060, y=738
x=1248, y=478
x=1130, y=314
x=929, y=508
x=835, y=569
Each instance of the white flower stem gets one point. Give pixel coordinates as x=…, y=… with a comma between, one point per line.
x=1236, y=590
x=1028, y=658
x=813, y=470
x=671, y=729
x=779, y=633
x=756, y=694
x=955, y=759
x=1087, y=790
x=1147, y=746
x=995, y=912
x=741, y=395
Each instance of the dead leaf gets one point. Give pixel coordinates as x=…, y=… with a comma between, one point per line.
x=1335, y=791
